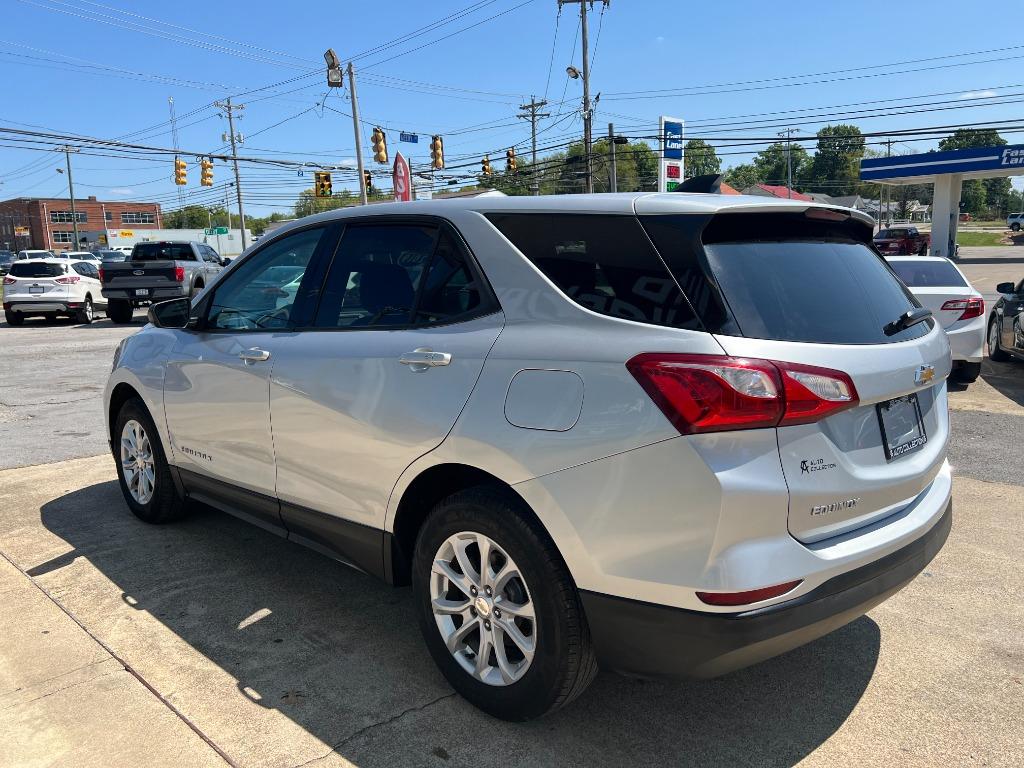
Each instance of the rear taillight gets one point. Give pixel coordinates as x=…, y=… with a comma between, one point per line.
x=715, y=393
x=69, y=280
x=972, y=307
x=748, y=597
x=179, y=274
x=8, y=280
x=101, y=274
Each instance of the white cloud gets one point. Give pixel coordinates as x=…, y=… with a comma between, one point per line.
x=978, y=94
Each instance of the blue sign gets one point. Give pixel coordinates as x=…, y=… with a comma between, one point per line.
x=673, y=140
x=998, y=160
x=411, y=138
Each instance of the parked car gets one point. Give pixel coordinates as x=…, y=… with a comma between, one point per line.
x=156, y=271
x=902, y=240
x=1006, y=323
x=112, y=255
x=6, y=258
x=510, y=404
x=34, y=254
x=1014, y=221
x=959, y=308
x=78, y=255
x=52, y=287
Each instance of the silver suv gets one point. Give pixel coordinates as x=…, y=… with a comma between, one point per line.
x=1015, y=221
x=664, y=434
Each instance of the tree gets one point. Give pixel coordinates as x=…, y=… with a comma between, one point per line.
x=308, y=203
x=742, y=176
x=771, y=164
x=996, y=191
x=700, y=159
x=973, y=198
x=189, y=217
x=835, y=169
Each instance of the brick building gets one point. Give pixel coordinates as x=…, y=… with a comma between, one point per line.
x=46, y=223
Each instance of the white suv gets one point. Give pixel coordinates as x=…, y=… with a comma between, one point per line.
x=51, y=287
x=666, y=434
x=1015, y=221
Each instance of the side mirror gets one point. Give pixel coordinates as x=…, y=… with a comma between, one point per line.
x=1005, y=288
x=225, y=261
x=175, y=313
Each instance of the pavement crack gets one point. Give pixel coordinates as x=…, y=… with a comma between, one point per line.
x=379, y=724
x=62, y=688
x=62, y=674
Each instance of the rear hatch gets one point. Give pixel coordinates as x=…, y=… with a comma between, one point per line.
x=37, y=281
x=939, y=286
x=151, y=265
x=783, y=287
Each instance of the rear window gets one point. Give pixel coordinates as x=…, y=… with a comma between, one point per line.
x=163, y=252
x=604, y=263
x=930, y=273
x=36, y=269
x=892, y=234
x=783, y=278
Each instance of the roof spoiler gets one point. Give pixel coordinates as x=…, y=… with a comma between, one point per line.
x=710, y=184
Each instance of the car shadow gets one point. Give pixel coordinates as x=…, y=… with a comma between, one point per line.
x=1006, y=378
x=333, y=650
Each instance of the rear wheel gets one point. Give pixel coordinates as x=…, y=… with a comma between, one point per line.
x=119, y=311
x=995, y=352
x=967, y=373
x=142, y=469
x=498, y=609
x=14, y=318
x=86, y=314
x=1015, y=227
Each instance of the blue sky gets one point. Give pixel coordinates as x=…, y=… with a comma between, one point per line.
x=67, y=64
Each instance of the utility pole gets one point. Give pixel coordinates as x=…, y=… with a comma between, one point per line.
x=227, y=205
x=788, y=133
x=230, y=108
x=587, y=116
x=355, y=126
x=174, y=140
x=888, y=189
x=67, y=150
x=532, y=114
x=613, y=179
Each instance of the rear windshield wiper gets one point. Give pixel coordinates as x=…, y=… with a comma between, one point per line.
x=907, y=319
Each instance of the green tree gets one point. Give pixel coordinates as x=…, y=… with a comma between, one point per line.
x=973, y=198
x=997, y=191
x=742, y=176
x=771, y=164
x=835, y=169
x=308, y=203
x=700, y=159
x=189, y=217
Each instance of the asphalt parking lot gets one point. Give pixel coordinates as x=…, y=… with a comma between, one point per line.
x=212, y=642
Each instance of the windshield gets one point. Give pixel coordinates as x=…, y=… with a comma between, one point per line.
x=36, y=269
x=928, y=273
x=892, y=234
x=6, y=258
x=162, y=252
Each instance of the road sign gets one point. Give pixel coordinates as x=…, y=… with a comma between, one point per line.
x=402, y=179
x=411, y=138
x=670, y=164
x=21, y=232
x=216, y=231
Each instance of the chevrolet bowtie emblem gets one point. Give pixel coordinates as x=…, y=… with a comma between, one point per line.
x=924, y=374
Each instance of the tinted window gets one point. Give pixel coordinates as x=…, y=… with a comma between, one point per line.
x=892, y=234
x=373, y=279
x=36, y=269
x=603, y=263
x=931, y=273
x=261, y=292
x=449, y=290
x=162, y=252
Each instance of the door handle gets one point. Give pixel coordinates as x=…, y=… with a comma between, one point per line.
x=423, y=358
x=254, y=355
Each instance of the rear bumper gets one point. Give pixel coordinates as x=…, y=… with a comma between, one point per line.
x=41, y=307
x=967, y=343
x=155, y=294
x=648, y=640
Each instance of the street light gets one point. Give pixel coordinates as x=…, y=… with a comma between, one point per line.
x=334, y=76
x=572, y=72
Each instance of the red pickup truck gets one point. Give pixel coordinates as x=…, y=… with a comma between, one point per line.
x=903, y=241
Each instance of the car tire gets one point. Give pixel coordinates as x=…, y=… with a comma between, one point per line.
x=86, y=314
x=562, y=662
x=14, y=318
x=1015, y=228
x=967, y=373
x=120, y=311
x=995, y=352
x=142, y=469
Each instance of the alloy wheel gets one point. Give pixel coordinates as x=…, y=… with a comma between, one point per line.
x=483, y=608
x=137, y=462
x=993, y=337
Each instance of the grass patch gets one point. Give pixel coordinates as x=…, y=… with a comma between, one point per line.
x=980, y=238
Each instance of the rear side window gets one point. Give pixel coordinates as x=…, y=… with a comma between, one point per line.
x=36, y=269
x=931, y=273
x=162, y=252
x=603, y=263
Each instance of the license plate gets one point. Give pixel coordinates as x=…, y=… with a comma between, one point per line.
x=902, y=426
x=142, y=292
x=35, y=289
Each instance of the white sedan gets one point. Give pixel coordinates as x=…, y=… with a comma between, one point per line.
x=957, y=306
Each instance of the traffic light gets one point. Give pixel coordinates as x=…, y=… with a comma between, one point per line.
x=437, y=152
x=367, y=181
x=510, y=160
x=380, y=146
x=180, y=172
x=322, y=184
x=485, y=166
x=206, y=172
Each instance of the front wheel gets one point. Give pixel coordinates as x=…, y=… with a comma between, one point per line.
x=1015, y=227
x=142, y=468
x=498, y=608
x=995, y=352
x=86, y=314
